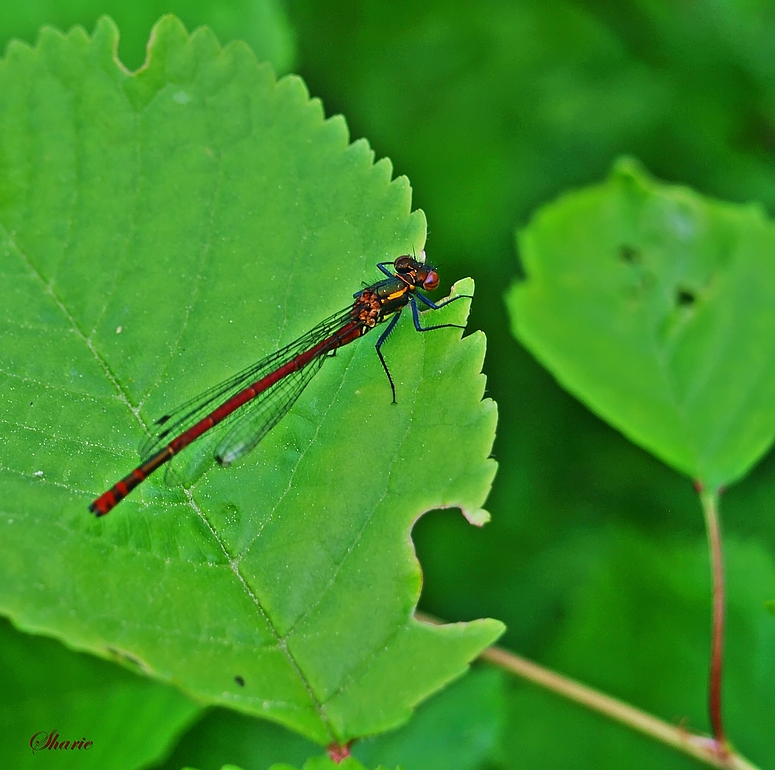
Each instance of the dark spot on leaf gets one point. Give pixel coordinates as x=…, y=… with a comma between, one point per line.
x=629, y=254
x=685, y=297
x=239, y=680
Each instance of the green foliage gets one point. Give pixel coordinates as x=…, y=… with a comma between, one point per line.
x=653, y=306
x=643, y=609
x=496, y=107
x=47, y=687
x=159, y=231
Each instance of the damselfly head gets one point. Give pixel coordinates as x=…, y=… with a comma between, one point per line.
x=416, y=273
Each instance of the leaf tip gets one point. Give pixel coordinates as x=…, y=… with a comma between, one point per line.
x=295, y=88
x=463, y=286
x=631, y=168
x=168, y=35
x=49, y=34
x=17, y=50
x=106, y=35
x=478, y=517
x=243, y=55
x=170, y=26
x=383, y=167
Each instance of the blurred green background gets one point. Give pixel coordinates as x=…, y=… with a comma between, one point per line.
x=595, y=557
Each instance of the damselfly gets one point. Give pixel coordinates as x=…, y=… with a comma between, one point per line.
x=259, y=396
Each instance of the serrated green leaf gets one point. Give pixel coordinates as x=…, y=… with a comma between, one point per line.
x=260, y=23
x=653, y=305
x=160, y=231
x=47, y=688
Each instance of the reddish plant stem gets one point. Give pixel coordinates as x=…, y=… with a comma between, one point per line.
x=338, y=752
x=709, y=501
x=698, y=746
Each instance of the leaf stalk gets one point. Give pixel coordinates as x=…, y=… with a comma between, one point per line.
x=701, y=747
x=709, y=500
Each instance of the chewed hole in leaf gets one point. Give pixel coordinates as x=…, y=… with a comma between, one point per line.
x=629, y=254
x=685, y=297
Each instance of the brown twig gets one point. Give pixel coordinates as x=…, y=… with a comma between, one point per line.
x=700, y=747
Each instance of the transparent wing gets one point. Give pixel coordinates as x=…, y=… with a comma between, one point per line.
x=179, y=420
x=264, y=412
x=243, y=433
x=186, y=468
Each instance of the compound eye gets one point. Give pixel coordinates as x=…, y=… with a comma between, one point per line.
x=431, y=280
